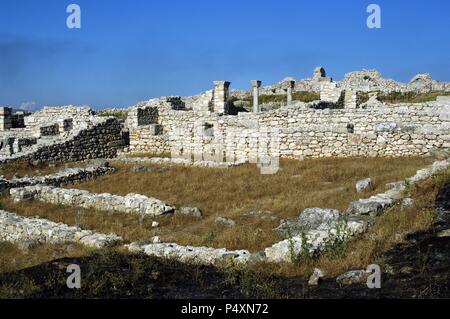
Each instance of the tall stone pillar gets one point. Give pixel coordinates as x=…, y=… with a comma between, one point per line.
x=289, y=86
x=221, y=96
x=256, y=84
x=5, y=118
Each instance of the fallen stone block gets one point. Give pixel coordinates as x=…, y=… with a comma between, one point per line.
x=25, y=230
x=353, y=277
x=191, y=254
x=189, y=211
x=309, y=218
x=363, y=184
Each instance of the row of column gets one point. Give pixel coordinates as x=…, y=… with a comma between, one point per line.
x=221, y=94
x=256, y=84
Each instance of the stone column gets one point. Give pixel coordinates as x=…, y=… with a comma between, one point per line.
x=350, y=99
x=5, y=118
x=289, y=86
x=221, y=96
x=256, y=84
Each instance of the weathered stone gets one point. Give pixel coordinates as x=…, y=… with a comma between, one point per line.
x=385, y=127
x=189, y=211
x=310, y=218
x=353, y=277
x=363, y=184
x=225, y=222
x=407, y=202
x=315, y=277
x=30, y=231
x=365, y=207
x=131, y=203
x=444, y=233
x=190, y=254
x=155, y=224
x=156, y=240
x=399, y=186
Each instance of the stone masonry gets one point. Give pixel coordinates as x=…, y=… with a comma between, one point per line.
x=303, y=131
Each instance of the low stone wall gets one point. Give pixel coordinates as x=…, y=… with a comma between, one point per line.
x=101, y=140
x=16, y=229
x=131, y=203
x=190, y=254
x=322, y=229
x=63, y=177
x=175, y=161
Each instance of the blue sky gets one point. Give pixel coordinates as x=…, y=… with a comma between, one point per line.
x=127, y=51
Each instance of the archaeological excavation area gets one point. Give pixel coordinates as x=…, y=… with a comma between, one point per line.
x=235, y=190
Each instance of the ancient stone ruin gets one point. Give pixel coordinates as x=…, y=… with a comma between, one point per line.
x=213, y=129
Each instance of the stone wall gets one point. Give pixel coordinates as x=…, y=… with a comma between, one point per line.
x=63, y=177
x=329, y=92
x=302, y=131
x=101, y=140
x=131, y=203
x=80, y=115
x=139, y=116
x=18, y=229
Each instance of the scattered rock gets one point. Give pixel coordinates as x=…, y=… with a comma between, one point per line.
x=155, y=224
x=444, y=233
x=363, y=184
x=156, y=240
x=225, y=222
x=315, y=277
x=365, y=207
x=310, y=218
x=190, y=211
x=190, y=254
x=353, y=277
x=407, y=202
x=399, y=186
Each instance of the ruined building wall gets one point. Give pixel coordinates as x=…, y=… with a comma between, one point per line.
x=101, y=140
x=401, y=130
x=80, y=116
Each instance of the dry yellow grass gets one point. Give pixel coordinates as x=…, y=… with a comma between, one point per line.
x=13, y=258
x=324, y=183
x=228, y=193
x=23, y=168
x=129, y=226
x=389, y=230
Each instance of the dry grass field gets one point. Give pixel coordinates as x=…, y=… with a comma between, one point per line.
x=228, y=193
x=21, y=169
